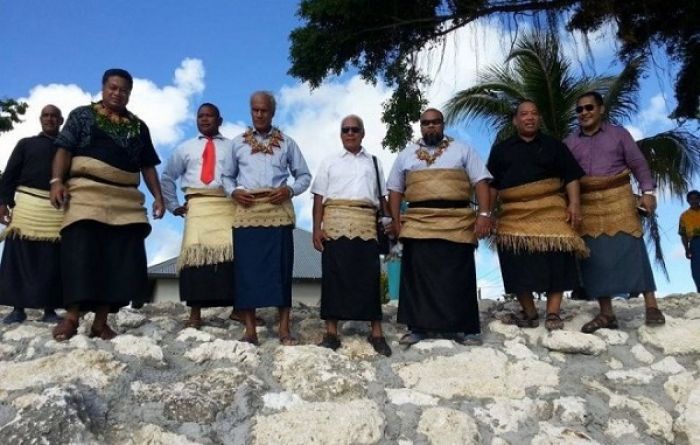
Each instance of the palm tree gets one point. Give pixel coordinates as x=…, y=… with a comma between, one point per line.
x=537, y=70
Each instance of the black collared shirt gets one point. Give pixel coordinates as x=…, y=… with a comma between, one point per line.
x=29, y=165
x=515, y=161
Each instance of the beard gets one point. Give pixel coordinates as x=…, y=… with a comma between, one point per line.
x=432, y=139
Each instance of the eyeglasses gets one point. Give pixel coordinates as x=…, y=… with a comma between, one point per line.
x=587, y=107
x=346, y=130
x=429, y=122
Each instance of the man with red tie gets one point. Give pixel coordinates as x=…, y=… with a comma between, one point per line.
x=206, y=257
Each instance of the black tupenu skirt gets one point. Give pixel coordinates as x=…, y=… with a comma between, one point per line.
x=207, y=286
x=30, y=274
x=350, y=288
x=526, y=272
x=438, y=286
x=103, y=265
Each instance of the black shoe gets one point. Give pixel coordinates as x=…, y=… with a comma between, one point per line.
x=380, y=345
x=50, y=317
x=412, y=338
x=16, y=316
x=330, y=341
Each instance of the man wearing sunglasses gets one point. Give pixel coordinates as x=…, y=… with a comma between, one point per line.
x=618, y=264
x=437, y=176
x=346, y=200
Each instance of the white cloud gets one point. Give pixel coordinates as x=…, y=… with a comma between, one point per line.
x=65, y=97
x=165, y=109
x=655, y=115
x=636, y=132
x=164, y=241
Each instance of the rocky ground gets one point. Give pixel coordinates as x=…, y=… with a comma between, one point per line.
x=158, y=383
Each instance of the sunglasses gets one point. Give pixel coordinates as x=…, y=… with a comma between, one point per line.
x=346, y=130
x=587, y=107
x=428, y=122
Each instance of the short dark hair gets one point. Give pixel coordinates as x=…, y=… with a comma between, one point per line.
x=435, y=110
x=691, y=193
x=124, y=74
x=212, y=106
x=597, y=97
x=516, y=105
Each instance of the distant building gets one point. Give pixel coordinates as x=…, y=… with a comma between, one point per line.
x=306, y=276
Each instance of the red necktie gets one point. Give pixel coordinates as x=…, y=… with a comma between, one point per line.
x=208, y=162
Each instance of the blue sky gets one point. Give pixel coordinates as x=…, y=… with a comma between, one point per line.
x=183, y=53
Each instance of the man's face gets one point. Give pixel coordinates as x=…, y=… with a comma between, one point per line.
x=589, y=113
x=115, y=93
x=432, y=127
x=50, y=120
x=208, y=122
x=527, y=119
x=694, y=201
x=351, y=133
x=261, y=112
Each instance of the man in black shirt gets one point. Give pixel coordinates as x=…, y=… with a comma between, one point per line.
x=535, y=235
x=29, y=271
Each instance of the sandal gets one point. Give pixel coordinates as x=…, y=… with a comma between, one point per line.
x=288, y=340
x=106, y=333
x=253, y=340
x=553, y=322
x=66, y=329
x=522, y=320
x=599, y=322
x=654, y=317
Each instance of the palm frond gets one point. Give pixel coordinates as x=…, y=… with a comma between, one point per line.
x=620, y=92
x=674, y=158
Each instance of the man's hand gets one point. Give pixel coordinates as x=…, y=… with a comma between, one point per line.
x=319, y=236
x=59, y=195
x=649, y=203
x=688, y=254
x=482, y=227
x=180, y=211
x=279, y=195
x=243, y=197
x=573, y=215
x=5, y=217
x=389, y=227
x=397, y=227
x=158, y=208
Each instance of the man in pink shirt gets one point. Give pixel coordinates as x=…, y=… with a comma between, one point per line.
x=611, y=227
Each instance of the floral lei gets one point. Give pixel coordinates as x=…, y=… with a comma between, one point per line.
x=424, y=155
x=116, y=124
x=259, y=147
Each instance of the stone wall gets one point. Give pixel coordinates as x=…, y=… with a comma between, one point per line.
x=158, y=383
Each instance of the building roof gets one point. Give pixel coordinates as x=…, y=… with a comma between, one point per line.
x=307, y=260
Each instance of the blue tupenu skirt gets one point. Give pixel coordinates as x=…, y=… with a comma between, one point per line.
x=263, y=263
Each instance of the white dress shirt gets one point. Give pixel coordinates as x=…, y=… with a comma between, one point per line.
x=185, y=164
x=457, y=155
x=345, y=175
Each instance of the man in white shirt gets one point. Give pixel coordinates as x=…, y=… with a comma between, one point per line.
x=206, y=257
x=346, y=199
